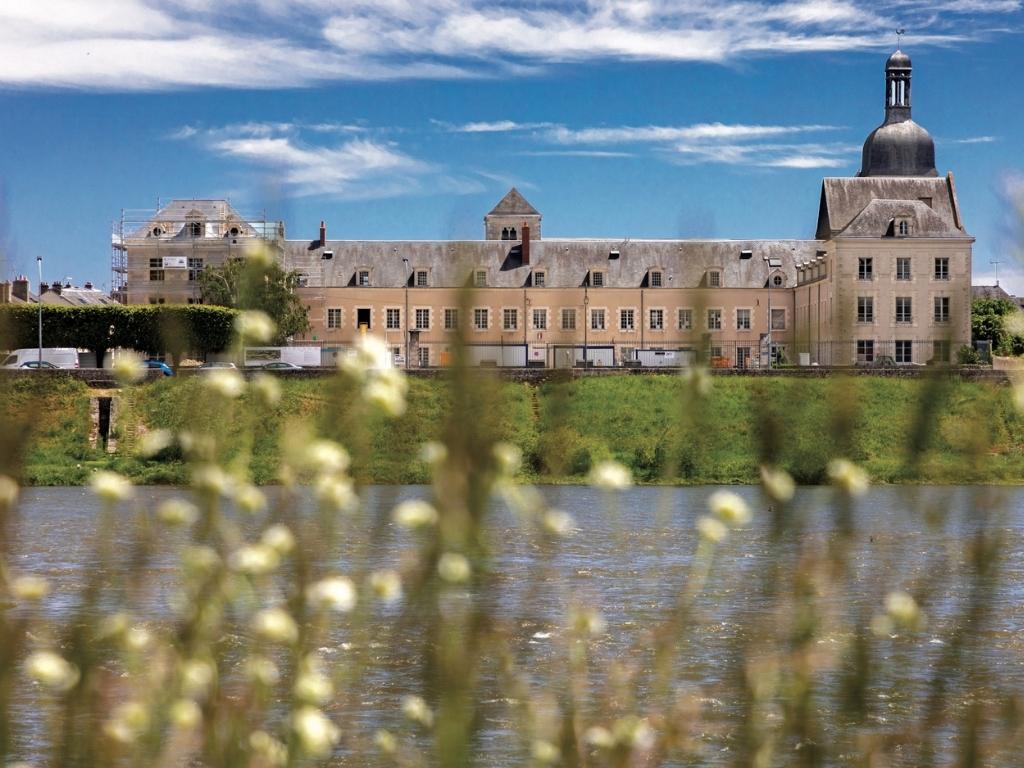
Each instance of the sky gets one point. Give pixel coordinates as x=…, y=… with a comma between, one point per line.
x=410, y=119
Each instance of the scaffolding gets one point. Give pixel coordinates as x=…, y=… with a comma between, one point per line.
x=194, y=222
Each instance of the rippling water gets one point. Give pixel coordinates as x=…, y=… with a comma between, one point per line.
x=630, y=559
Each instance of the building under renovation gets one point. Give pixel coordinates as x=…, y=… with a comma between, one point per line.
x=886, y=279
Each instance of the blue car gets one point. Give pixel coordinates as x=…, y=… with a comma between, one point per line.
x=161, y=365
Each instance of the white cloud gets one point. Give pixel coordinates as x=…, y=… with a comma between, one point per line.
x=173, y=44
x=662, y=133
x=974, y=140
x=496, y=126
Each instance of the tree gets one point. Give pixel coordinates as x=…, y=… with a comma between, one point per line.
x=257, y=283
x=989, y=323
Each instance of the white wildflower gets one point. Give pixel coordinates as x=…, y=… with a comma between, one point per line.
x=901, y=607
x=327, y=457
x=262, y=671
x=276, y=626
x=50, y=670
x=729, y=507
x=111, y=487
x=337, y=493
x=433, y=453
x=271, y=751
x=386, y=585
x=312, y=686
x=385, y=741
x=416, y=710
x=777, y=483
x=155, y=441
x=200, y=560
x=610, y=475
x=414, y=513
x=711, y=529
x=317, y=735
x=599, y=737
x=255, y=560
x=185, y=714
x=267, y=388
x=177, y=512
x=250, y=499
x=211, y=479
x=254, y=326
x=557, y=522
x=509, y=457
x=848, y=476
x=31, y=589
x=385, y=396
x=129, y=369
x=197, y=675
x=136, y=639
x=128, y=722
x=226, y=382
x=279, y=538
x=454, y=568
x=545, y=753
x=698, y=378
x=335, y=593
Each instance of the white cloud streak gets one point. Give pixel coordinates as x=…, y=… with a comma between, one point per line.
x=174, y=44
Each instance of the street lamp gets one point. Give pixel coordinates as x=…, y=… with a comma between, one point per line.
x=39, y=301
x=405, y=261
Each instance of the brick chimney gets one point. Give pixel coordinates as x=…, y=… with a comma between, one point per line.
x=56, y=287
x=19, y=288
x=323, y=234
x=5, y=292
x=88, y=285
x=43, y=288
x=525, y=233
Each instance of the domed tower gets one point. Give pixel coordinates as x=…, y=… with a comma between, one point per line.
x=899, y=146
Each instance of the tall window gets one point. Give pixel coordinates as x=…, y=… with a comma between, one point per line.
x=942, y=268
x=423, y=356
x=940, y=351
x=742, y=319
x=597, y=319
x=195, y=228
x=393, y=318
x=715, y=279
x=421, y=278
x=156, y=269
x=480, y=319
x=865, y=351
x=334, y=317
x=865, y=309
x=480, y=278
x=685, y=319
x=540, y=319
x=422, y=319
x=904, y=351
x=778, y=319
x=657, y=319
x=510, y=319
x=195, y=267
x=451, y=319
x=539, y=279
x=903, y=227
x=942, y=309
x=903, y=268
x=655, y=279
x=597, y=278
x=363, y=278
x=626, y=320
x=903, y=309
x=865, y=268
x=714, y=319
x=568, y=319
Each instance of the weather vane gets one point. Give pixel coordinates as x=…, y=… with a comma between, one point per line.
x=899, y=36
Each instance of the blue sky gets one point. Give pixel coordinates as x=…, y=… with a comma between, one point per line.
x=411, y=118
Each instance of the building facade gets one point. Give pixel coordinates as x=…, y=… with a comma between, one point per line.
x=886, y=279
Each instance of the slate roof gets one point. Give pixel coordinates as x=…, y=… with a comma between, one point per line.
x=566, y=262
x=843, y=200
x=513, y=204
x=876, y=220
x=219, y=216
x=990, y=292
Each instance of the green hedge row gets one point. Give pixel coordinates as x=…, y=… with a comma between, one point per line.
x=174, y=328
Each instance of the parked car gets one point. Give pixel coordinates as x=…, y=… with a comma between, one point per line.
x=57, y=357
x=281, y=365
x=38, y=365
x=215, y=365
x=160, y=365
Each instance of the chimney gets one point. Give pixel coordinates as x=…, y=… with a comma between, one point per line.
x=323, y=234
x=88, y=285
x=56, y=287
x=19, y=288
x=5, y=292
x=525, y=251
x=43, y=288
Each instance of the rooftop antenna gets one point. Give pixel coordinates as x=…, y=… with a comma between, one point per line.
x=996, y=265
x=899, y=36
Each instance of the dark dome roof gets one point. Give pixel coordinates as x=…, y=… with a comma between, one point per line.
x=901, y=148
x=899, y=60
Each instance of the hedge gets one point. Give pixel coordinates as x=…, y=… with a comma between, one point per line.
x=174, y=328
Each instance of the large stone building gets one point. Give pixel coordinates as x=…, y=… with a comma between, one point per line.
x=886, y=278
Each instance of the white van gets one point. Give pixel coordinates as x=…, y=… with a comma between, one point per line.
x=62, y=357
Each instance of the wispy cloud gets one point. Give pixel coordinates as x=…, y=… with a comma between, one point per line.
x=973, y=140
x=173, y=44
x=663, y=133
x=576, y=153
x=496, y=126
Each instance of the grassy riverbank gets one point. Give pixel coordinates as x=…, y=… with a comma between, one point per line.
x=899, y=430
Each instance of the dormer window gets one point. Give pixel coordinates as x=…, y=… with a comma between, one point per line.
x=655, y=280
x=157, y=231
x=539, y=278
x=363, y=278
x=480, y=278
x=777, y=281
x=327, y=255
x=195, y=229
x=421, y=278
x=902, y=227
x=715, y=279
x=597, y=278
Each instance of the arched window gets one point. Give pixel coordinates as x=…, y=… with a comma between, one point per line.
x=504, y=233
x=195, y=228
x=512, y=234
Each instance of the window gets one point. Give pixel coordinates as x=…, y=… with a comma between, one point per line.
x=777, y=281
x=421, y=278
x=568, y=319
x=903, y=309
x=778, y=319
x=657, y=319
x=903, y=227
x=685, y=319
x=195, y=228
x=742, y=357
x=865, y=309
x=715, y=279
x=942, y=268
x=742, y=319
x=480, y=319
x=334, y=317
x=626, y=320
x=480, y=278
x=423, y=356
x=714, y=319
x=451, y=319
x=715, y=352
x=865, y=351
x=538, y=279
x=597, y=319
x=510, y=319
x=301, y=279
x=942, y=309
x=904, y=351
x=363, y=315
x=156, y=269
x=392, y=318
x=195, y=266
x=422, y=319
x=540, y=319
x=655, y=279
x=903, y=268
x=940, y=351
x=597, y=279
x=864, y=268
x=363, y=278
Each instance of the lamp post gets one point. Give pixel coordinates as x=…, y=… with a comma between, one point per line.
x=405, y=261
x=768, y=263
x=39, y=300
